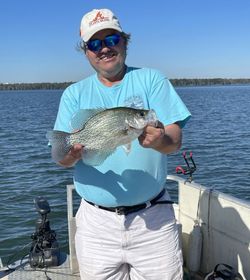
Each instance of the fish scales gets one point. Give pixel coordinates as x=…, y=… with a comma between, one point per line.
x=103, y=132
x=107, y=129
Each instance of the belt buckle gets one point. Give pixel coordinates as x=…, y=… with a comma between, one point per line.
x=120, y=210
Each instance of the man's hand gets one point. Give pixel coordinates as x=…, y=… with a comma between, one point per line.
x=152, y=136
x=74, y=154
x=163, y=139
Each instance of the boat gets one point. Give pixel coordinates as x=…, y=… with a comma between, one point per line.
x=224, y=223
x=214, y=228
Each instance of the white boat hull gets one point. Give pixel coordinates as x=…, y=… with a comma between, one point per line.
x=225, y=226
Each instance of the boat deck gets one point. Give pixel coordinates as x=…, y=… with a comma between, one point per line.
x=23, y=271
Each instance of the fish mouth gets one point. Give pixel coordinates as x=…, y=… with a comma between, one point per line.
x=133, y=127
x=151, y=118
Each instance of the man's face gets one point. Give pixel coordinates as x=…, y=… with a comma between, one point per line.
x=109, y=60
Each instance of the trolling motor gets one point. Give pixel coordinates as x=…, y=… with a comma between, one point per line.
x=44, y=251
x=190, y=167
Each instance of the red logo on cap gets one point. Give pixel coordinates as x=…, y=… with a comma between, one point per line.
x=98, y=18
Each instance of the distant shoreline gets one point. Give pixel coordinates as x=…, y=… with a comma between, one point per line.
x=175, y=82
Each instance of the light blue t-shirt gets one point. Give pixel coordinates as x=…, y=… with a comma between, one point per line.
x=123, y=179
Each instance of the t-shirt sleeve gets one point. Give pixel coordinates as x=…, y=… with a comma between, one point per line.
x=166, y=102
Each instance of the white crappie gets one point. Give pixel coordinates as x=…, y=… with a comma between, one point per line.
x=101, y=132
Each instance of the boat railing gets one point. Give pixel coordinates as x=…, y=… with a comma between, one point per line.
x=71, y=230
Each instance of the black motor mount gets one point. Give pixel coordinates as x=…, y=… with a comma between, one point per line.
x=44, y=251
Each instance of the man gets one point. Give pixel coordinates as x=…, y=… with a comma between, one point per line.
x=123, y=232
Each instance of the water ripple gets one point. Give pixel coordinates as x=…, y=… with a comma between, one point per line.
x=217, y=134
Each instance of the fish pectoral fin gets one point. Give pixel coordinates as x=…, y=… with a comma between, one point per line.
x=127, y=148
x=95, y=157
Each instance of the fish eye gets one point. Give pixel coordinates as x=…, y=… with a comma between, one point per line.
x=142, y=114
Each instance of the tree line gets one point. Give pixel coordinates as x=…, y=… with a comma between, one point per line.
x=175, y=82
x=34, y=86
x=209, y=82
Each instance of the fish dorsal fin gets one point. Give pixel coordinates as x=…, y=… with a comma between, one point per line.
x=82, y=116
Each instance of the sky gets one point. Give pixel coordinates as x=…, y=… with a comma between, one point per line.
x=181, y=38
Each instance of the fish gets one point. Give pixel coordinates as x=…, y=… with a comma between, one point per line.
x=101, y=131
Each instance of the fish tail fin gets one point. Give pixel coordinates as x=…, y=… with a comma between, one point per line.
x=60, y=143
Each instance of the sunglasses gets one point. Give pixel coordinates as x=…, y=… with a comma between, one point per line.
x=109, y=41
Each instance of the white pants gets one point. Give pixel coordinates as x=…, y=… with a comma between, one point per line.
x=139, y=246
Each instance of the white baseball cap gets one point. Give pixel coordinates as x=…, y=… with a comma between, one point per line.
x=96, y=20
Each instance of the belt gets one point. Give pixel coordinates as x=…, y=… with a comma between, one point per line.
x=124, y=210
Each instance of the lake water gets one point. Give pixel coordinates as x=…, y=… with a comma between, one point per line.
x=218, y=134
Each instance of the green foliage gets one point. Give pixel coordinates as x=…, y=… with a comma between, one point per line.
x=208, y=82
x=34, y=86
x=175, y=82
